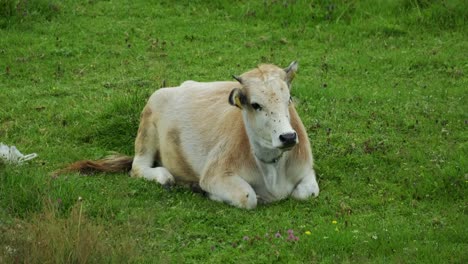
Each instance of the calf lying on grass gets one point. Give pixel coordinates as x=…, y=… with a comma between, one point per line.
x=242, y=142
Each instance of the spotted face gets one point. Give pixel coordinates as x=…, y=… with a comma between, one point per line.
x=264, y=99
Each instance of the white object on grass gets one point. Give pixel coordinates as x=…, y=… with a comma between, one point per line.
x=11, y=155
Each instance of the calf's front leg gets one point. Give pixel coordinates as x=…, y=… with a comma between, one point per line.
x=307, y=186
x=229, y=188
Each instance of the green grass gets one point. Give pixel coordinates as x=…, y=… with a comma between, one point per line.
x=381, y=90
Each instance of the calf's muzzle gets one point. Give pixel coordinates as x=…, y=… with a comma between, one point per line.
x=288, y=139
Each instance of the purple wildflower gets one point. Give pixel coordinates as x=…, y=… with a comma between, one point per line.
x=291, y=236
x=278, y=234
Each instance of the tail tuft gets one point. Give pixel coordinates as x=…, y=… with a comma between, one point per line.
x=109, y=164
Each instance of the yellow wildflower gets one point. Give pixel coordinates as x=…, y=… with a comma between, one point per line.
x=334, y=222
x=308, y=233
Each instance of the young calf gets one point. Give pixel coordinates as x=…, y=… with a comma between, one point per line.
x=242, y=142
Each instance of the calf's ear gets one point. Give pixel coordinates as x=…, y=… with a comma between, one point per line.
x=237, y=98
x=291, y=72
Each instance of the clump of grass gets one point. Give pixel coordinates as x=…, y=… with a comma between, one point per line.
x=48, y=238
x=14, y=11
x=443, y=14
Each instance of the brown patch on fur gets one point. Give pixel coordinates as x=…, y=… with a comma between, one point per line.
x=302, y=151
x=264, y=71
x=174, y=159
x=173, y=135
x=141, y=139
x=235, y=153
x=110, y=164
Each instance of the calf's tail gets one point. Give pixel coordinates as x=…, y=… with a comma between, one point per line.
x=109, y=164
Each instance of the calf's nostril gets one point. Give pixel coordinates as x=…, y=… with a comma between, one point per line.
x=288, y=137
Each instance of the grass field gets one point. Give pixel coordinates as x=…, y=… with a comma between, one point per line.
x=381, y=89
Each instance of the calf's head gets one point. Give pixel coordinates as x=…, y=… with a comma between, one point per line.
x=264, y=98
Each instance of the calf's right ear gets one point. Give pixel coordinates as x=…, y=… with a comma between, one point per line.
x=237, y=98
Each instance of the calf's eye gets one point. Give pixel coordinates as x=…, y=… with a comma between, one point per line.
x=256, y=106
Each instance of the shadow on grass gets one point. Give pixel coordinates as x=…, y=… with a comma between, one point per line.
x=116, y=128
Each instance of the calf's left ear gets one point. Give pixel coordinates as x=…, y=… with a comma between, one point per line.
x=237, y=98
x=291, y=72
